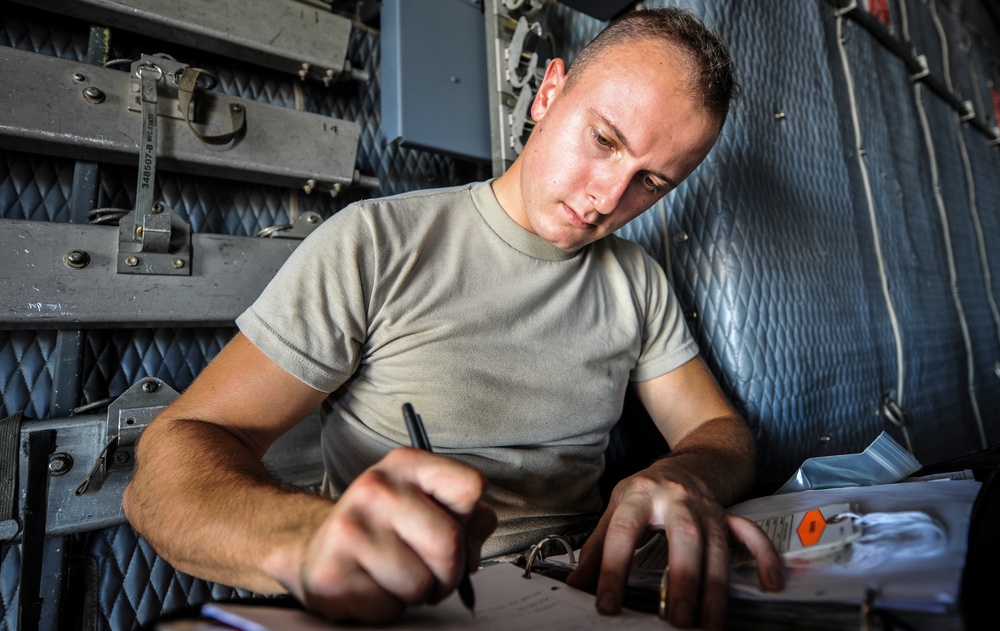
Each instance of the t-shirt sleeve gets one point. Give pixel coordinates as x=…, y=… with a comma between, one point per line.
x=311, y=319
x=667, y=343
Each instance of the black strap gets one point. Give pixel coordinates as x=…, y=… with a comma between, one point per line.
x=10, y=440
x=40, y=445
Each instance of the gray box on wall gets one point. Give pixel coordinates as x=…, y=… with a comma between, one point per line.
x=434, y=77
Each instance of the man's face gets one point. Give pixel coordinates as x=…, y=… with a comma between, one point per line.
x=624, y=135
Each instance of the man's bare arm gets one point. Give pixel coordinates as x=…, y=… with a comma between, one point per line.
x=403, y=533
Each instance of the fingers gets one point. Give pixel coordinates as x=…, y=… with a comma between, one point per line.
x=404, y=532
x=770, y=569
x=478, y=528
x=588, y=567
x=698, y=531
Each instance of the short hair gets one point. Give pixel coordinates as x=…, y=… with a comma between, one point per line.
x=712, y=77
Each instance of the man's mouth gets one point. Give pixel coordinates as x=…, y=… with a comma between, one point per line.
x=576, y=219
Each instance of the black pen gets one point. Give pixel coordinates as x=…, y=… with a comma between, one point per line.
x=418, y=436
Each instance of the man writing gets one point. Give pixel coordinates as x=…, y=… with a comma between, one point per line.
x=512, y=318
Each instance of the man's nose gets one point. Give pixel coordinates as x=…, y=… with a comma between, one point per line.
x=607, y=189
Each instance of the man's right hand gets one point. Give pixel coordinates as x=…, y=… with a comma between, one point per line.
x=404, y=533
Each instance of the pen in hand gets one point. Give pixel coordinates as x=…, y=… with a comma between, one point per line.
x=418, y=437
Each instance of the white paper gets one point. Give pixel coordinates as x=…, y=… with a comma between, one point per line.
x=504, y=600
x=928, y=584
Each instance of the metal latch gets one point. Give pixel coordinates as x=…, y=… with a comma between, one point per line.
x=151, y=238
x=128, y=416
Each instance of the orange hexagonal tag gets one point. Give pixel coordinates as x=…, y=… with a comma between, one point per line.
x=810, y=529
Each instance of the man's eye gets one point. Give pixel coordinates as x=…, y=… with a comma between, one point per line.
x=601, y=139
x=651, y=185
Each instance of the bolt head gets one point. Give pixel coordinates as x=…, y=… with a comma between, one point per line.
x=177, y=263
x=93, y=94
x=132, y=261
x=60, y=464
x=149, y=386
x=77, y=259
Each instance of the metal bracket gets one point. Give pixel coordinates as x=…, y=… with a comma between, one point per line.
x=970, y=112
x=302, y=228
x=93, y=458
x=162, y=246
x=127, y=417
x=892, y=411
x=512, y=44
x=521, y=55
x=527, y=8
x=924, y=68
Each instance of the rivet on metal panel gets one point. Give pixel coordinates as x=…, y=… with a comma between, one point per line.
x=60, y=464
x=177, y=263
x=681, y=237
x=77, y=259
x=132, y=261
x=93, y=95
x=79, y=76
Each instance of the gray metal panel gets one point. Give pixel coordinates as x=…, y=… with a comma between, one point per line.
x=43, y=110
x=295, y=458
x=434, y=87
x=40, y=290
x=281, y=34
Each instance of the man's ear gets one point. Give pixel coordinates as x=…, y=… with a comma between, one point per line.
x=551, y=86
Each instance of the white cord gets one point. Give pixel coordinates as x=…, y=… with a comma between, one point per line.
x=900, y=365
x=902, y=535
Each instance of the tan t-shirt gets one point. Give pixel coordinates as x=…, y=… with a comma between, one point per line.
x=515, y=353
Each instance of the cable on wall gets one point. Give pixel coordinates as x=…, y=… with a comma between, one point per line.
x=946, y=229
x=869, y=198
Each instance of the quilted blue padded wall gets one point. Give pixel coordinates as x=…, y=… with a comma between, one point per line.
x=820, y=281
x=125, y=585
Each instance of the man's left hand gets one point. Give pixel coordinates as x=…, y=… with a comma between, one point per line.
x=699, y=533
